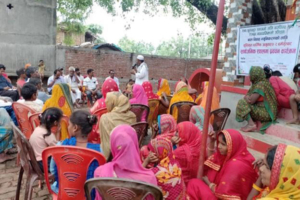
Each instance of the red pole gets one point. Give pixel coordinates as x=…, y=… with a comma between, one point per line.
x=212, y=77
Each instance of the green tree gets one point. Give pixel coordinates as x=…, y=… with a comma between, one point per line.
x=96, y=30
x=128, y=45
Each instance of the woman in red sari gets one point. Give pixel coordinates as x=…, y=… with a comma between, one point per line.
x=108, y=86
x=229, y=173
x=188, y=151
x=167, y=171
x=149, y=90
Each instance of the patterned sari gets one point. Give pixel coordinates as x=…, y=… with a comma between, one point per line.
x=6, y=132
x=285, y=174
x=197, y=114
x=61, y=98
x=266, y=112
x=163, y=86
x=168, y=172
x=233, y=174
x=181, y=94
x=188, y=151
x=149, y=90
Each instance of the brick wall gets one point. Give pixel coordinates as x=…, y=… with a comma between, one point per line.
x=9, y=173
x=159, y=67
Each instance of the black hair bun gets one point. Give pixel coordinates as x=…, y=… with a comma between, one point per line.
x=92, y=119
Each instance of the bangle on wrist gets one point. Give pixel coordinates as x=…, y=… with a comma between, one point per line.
x=254, y=186
x=211, y=185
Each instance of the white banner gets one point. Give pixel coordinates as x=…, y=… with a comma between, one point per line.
x=274, y=44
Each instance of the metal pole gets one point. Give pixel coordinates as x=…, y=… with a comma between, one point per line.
x=212, y=77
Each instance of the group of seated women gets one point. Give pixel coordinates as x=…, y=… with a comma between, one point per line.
x=171, y=159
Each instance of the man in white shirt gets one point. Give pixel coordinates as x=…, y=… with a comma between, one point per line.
x=55, y=79
x=91, y=86
x=141, y=72
x=73, y=80
x=81, y=78
x=112, y=76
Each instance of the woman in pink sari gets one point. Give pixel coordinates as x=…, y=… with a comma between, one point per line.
x=139, y=95
x=229, y=173
x=108, y=86
x=149, y=90
x=126, y=162
x=188, y=151
x=167, y=171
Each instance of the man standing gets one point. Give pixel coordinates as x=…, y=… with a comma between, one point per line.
x=112, y=76
x=55, y=79
x=91, y=86
x=6, y=88
x=73, y=80
x=141, y=73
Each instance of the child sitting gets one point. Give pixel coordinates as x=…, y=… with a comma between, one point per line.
x=80, y=125
x=29, y=93
x=44, y=135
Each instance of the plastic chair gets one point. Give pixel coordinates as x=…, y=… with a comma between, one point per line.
x=141, y=111
x=141, y=129
x=29, y=164
x=22, y=113
x=34, y=120
x=220, y=117
x=118, y=188
x=92, y=136
x=162, y=109
x=153, y=105
x=184, y=108
x=72, y=164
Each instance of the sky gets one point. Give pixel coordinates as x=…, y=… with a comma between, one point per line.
x=145, y=28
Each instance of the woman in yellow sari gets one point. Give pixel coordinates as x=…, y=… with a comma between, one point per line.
x=61, y=98
x=280, y=172
x=119, y=113
x=181, y=94
x=202, y=98
x=163, y=87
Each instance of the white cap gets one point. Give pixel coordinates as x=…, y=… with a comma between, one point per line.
x=71, y=68
x=140, y=57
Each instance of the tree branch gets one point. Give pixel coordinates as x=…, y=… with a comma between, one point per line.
x=211, y=12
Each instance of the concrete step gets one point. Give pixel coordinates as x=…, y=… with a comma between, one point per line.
x=261, y=143
x=256, y=154
x=286, y=114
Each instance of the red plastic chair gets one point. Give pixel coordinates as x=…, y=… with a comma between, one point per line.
x=72, y=164
x=34, y=120
x=94, y=136
x=22, y=113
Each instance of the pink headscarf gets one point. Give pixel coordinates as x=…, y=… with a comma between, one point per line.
x=149, y=90
x=126, y=162
x=139, y=95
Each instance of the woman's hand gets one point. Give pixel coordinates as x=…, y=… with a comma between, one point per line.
x=155, y=127
x=257, y=163
x=151, y=158
x=175, y=139
x=212, y=136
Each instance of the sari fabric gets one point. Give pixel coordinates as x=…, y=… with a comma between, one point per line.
x=6, y=132
x=197, y=114
x=285, y=174
x=108, y=86
x=167, y=126
x=233, y=174
x=126, y=162
x=168, y=172
x=61, y=98
x=215, y=104
x=188, y=151
x=181, y=94
x=149, y=91
x=119, y=113
x=265, y=113
x=163, y=86
x=139, y=95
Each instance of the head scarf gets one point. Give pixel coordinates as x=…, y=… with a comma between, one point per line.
x=181, y=94
x=233, y=173
x=109, y=85
x=285, y=174
x=139, y=95
x=163, y=86
x=188, y=150
x=215, y=104
x=118, y=107
x=126, y=162
x=197, y=114
x=149, y=91
x=6, y=132
x=167, y=126
x=168, y=172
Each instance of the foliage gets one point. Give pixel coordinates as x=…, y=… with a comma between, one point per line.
x=68, y=40
x=136, y=47
x=95, y=29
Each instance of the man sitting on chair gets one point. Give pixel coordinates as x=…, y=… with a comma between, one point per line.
x=6, y=88
x=91, y=86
